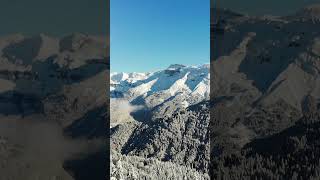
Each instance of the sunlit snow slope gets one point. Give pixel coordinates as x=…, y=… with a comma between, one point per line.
x=184, y=85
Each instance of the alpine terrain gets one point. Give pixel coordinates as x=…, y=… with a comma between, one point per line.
x=53, y=107
x=265, y=90
x=159, y=123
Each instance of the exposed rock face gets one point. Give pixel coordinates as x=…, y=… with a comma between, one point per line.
x=53, y=106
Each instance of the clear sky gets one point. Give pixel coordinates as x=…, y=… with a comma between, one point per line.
x=148, y=35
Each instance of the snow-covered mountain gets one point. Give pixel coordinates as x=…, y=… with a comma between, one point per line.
x=265, y=93
x=183, y=85
x=52, y=102
x=157, y=116
x=265, y=90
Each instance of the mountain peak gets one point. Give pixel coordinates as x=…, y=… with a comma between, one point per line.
x=176, y=66
x=178, y=83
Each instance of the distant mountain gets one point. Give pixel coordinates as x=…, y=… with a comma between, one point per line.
x=178, y=85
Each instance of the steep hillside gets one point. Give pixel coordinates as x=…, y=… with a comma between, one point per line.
x=263, y=71
x=52, y=106
x=180, y=141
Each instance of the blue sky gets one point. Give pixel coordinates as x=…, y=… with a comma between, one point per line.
x=148, y=35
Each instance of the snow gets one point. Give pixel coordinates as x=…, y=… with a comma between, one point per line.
x=191, y=83
x=202, y=89
x=179, y=85
x=129, y=77
x=142, y=89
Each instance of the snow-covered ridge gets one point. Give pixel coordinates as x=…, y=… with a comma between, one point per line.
x=191, y=83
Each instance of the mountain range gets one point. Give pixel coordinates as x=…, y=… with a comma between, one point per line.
x=157, y=92
x=156, y=117
x=53, y=106
x=258, y=118
x=264, y=88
